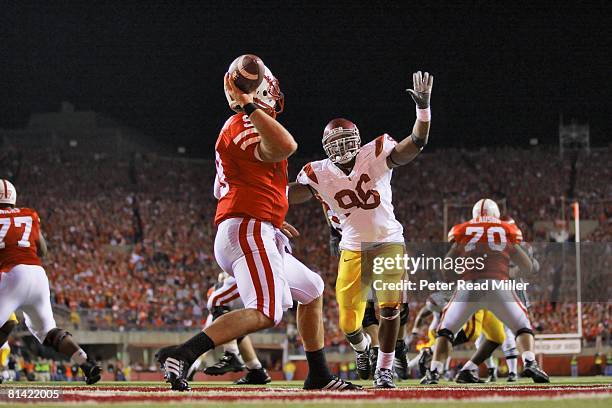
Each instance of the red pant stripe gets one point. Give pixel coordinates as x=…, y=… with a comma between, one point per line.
x=248, y=253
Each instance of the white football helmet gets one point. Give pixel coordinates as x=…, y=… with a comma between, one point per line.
x=8, y=194
x=268, y=96
x=341, y=141
x=485, y=207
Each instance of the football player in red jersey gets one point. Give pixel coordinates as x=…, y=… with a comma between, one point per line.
x=251, y=186
x=24, y=284
x=496, y=243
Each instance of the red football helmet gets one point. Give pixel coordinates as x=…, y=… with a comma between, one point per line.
x=341, y=140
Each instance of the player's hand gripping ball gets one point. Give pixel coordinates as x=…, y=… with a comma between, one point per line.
x=247, y=72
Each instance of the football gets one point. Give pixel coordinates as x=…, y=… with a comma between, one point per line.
x=247, y=71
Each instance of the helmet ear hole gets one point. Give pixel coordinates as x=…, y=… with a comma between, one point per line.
x=265, y=93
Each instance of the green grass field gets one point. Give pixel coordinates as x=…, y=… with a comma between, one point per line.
x=594, y=392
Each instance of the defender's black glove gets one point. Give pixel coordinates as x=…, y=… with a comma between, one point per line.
x=334, y=241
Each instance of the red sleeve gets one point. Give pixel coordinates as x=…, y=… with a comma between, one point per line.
x=454, y=233
x=307, y=175
x=36, y=225
x=515, y=236
x=242, y=139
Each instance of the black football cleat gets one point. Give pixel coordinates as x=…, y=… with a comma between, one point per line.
x=468, y=377
x=92, y=371
x=373, y=361
x=332, y=383
x=492, y=375
x=258, y=376
x=431, y=377
x=425, y=360
x=362, y=360
x=230, y=362
x=175, y=367
x=512, y=377
x=400, y=362
x=533, y=371
x=383, y=378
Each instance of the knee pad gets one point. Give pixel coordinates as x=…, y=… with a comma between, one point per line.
x=369, y=317
x=448, y=334
x=389, y=313
x=8, y=327
x=55, y=337
x=404, y=311
x=524, y=330
x=509, y=348
x=349, y=322
x=219, y=311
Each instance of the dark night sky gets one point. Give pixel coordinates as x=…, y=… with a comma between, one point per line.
x=502, y=75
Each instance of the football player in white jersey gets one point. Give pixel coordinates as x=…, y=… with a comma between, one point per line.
x=355, y=181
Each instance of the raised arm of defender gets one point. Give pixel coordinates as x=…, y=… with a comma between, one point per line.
x=410, y=147
x=276, y=143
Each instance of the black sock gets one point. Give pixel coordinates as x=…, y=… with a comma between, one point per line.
x=197, y=345
x=317, y=364
x=400, y=347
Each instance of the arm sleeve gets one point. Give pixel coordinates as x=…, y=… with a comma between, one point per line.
x=244, y=145
x=383, y=146
x=307, y=176
x=514, y=234
x=241, y=140
x=453, y=233
x=36, y=228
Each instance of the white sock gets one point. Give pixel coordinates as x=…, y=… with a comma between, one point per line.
x=469, y=366
x=362, y=345
x=447, y=363
x=79, y=357
x=385, y=360
x=528, y=356
x=231, y=347
x=490, y=363
x=436, y=366
x=512, y=364
x=254, y=364
x=415, y=361
x=194, y=367
x=196, y=364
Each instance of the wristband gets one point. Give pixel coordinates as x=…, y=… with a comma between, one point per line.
x=424, y=115
x=249, y=108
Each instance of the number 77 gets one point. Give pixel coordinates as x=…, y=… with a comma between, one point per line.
x=5, y=224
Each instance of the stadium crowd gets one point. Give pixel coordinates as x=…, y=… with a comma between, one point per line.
x=131, y=239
